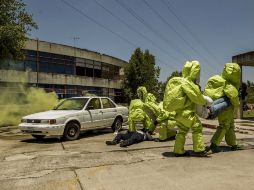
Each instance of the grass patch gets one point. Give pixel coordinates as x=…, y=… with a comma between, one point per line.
x=247, y=114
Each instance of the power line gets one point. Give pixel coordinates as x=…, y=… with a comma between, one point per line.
x=99, y=24
x=172, y=28
x=169, y=7
x=140, y=19
x=104, y=27
x=136, y=31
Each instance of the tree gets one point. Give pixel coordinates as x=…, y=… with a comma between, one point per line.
x=250, y=92
x=15, y=23
x=140, y=71
x=164, y=84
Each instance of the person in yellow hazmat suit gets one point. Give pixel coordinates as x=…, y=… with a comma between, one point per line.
x=225, y=85
x=137, y=114
x=157, y=116
x=160, y=117
x=181, y=95
x=149, y=119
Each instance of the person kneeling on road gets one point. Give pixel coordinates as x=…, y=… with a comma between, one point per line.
x=160, y=117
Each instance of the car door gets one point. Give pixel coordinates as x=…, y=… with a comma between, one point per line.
x=96, y=113
x=109, y=111
x=87, y=120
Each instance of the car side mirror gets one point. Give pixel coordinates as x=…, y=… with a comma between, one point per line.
x=90, y=107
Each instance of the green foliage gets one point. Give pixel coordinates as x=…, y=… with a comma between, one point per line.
x=248, y=113
x=141, y=71
x=250, y=97
x=15, y=23
x=250, y=91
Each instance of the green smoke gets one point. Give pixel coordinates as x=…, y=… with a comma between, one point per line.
x=23, y=101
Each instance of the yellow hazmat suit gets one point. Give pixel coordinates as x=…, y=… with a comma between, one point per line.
x=218, y=86
x=137, y=114
x=163, y=118
x=181, y=95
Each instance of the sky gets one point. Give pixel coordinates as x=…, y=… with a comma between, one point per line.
x=174, y=31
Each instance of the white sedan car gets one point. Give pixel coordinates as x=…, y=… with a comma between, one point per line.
x=74, y=115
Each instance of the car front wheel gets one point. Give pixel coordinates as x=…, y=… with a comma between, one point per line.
x=71, y=132
x=117, y=125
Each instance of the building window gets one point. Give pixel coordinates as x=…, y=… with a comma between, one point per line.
x=31, y=66
x=55, y=63
x=97, y=69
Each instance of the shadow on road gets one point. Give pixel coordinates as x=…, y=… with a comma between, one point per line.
x=51, y=140
x=192, y=154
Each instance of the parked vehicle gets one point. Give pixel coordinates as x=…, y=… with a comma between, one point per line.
x=74, y=115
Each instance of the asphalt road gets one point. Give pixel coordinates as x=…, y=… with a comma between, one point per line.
x=87, y=163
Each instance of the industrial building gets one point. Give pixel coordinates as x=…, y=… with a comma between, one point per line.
x=69, y=71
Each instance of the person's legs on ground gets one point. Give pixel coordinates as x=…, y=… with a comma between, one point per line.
x=180, y=136
x=180, y=141
x=166, y=130
x=224, y=125
x=119, y=137
x=230, y=138
x=217, y=137
x=197, y=137
x=163, y=132
x=136, y=137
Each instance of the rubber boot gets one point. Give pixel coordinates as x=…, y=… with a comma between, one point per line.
x=200, y=154
x=237, y=147
x=214, y=148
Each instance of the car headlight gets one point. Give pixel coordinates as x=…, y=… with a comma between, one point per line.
x=48, y=121
x=52, y=121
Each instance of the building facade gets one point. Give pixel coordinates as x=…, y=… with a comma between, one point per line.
x=67, y=70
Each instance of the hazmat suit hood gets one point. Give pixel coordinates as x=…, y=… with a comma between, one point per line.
x=142, y=93
x=191, y=71
x=232, y=74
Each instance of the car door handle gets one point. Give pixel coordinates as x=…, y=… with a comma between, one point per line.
x=101, y=112
x=114, y=110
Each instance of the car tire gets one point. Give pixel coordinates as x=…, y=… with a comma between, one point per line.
x=71, y=131
x=117, y=125
x=38, y=137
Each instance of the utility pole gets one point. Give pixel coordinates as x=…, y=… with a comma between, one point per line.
x=37, y=62
x=75, y=38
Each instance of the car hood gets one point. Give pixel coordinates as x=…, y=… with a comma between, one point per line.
x=52, y=114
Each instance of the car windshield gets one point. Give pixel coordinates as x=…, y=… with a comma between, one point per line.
x=72, y=104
